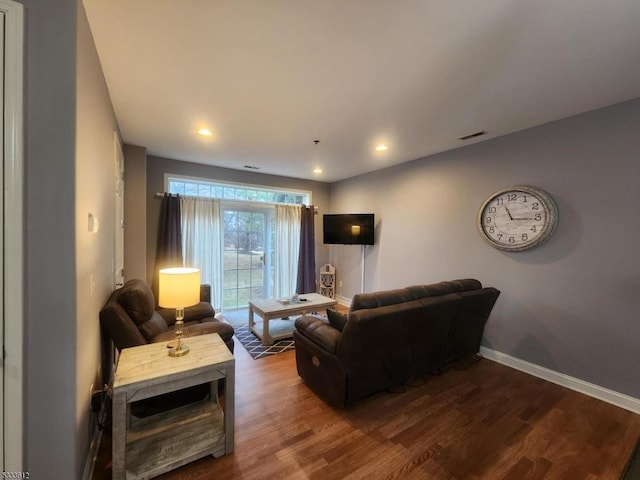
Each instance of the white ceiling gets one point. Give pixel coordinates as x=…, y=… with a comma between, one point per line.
x=271, y=76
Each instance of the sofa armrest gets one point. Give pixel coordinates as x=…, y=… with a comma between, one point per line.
x=319, y=332
x=119, y=326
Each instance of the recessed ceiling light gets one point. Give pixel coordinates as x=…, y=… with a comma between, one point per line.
x=205, y=132
x=382, y=148
x=317, y=171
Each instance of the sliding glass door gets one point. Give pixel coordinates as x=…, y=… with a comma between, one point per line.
x=248, y=254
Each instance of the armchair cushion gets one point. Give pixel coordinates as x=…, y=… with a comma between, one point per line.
x=137, y=299
x=195, y=312
x=336, y=319
x=317, y=331
x=153, y=327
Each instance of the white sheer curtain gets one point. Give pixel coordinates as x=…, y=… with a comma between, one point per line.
x=202, y=242
x=286, y=249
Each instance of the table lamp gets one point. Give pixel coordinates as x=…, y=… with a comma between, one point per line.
x=179, y=288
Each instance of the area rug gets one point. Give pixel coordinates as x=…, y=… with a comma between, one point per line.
x=632, y=470
x=252, y=344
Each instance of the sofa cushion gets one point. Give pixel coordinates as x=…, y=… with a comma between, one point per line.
x=443, y=288
x=153, y=327
x=137, y=300
x=336, y=319
x=432, y=290
x=465, y=284
x=319, y=332
x=363, y=301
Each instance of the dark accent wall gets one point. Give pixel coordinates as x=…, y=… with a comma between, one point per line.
x=135, y=212
x=570, y=305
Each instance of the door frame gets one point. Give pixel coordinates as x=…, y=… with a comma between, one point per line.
x=12, y=292
x=267, y=211
x=119, y=225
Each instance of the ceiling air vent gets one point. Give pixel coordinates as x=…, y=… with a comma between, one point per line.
x=473, y=135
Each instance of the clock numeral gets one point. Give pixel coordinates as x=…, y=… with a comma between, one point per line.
x=499, y=201
x=512, y=240
x=492, y=210
x=499, y=236
x=492, y=230
x=534, y=229
x=535, y=206
x=487, y=220
x=512, y=197
x=538, y=217
x=525, y=237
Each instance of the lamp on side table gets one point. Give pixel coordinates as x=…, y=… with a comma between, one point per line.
x=179, y=288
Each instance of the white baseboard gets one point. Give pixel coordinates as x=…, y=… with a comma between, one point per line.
x=618, y=399
x=344, y=301
x=92, y=454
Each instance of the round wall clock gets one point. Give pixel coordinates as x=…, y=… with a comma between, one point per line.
x=517, y=218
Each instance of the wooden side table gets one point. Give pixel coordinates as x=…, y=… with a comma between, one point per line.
x=147, y=447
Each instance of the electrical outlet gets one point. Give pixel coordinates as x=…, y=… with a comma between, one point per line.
x=339, y=284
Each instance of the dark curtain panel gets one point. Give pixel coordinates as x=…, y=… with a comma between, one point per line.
x=307, y=259
x=169, y=248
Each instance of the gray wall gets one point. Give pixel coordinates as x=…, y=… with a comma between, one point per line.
x=570, y=305
x=157, y=167
x=67, y=110
x=95, y=193
x=50, y=345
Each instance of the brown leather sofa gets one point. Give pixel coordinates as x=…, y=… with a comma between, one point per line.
x=130, y=318
x=391, y=337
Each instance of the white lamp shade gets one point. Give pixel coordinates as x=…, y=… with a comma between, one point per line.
x=179, y=287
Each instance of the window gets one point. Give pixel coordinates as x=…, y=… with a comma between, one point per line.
x=247, y=227
x=197, y=187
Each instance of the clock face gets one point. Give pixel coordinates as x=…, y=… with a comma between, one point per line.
x=517, y=218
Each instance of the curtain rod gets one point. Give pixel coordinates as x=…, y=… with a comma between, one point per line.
x=160, y=195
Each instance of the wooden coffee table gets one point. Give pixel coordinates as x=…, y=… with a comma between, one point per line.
x=272, y=309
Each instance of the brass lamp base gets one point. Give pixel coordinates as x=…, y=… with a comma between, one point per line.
x=179, y=351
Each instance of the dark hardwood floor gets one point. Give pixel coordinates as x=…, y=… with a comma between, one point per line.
x=477, y=420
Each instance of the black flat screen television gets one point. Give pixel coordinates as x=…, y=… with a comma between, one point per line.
x=348, y=229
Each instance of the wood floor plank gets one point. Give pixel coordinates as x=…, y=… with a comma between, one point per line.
x=478, y=420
